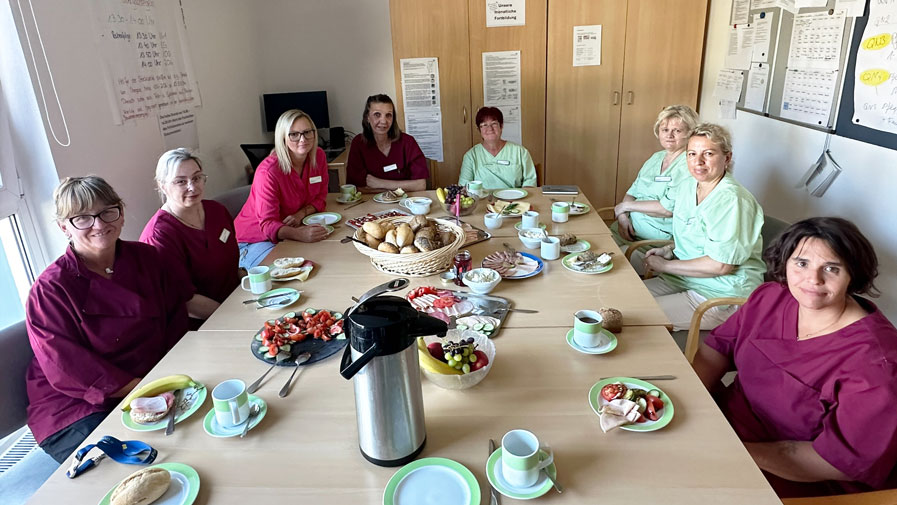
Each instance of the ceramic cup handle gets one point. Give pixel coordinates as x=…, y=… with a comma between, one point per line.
x=548, y=460
x=235, y=411
x=243, y=284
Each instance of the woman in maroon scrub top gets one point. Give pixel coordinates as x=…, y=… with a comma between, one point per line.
x=383, y=157
x=816, y=388
x=98, y=318
x=194, y=234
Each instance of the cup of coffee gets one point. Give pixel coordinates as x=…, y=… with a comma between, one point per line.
x=587, y=329
x=492, y=220
x=418, y=205
x=530, y=219
x=551, y=248
x=560, y=212
x=231, y=403
x=475, y=187
x=348, y=191
x=259, y=280
x=522, y=458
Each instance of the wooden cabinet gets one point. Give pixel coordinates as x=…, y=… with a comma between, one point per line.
x=454, y=31
x=600, y=118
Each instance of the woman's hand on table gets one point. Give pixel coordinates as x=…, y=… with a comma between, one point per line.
x=295, y=220
x=312, y=233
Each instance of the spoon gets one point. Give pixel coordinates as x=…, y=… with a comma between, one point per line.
x=352, y=239
x=253, y=411
x=559, y=488
x=302, y=358
x=257, y=384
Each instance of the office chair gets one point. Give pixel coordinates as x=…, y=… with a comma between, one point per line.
x=256, y=153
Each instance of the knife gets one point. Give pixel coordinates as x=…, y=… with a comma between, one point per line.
x=648, y=377
x=173, y=412
x=496, y=499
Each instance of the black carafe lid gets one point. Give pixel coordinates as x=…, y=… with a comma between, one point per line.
x=392, y=323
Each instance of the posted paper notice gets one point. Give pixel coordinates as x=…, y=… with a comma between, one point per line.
x=875, y=86
x=505, y=13
x=808, y=96
x=757, y=81
x=728, y=84
x=423, y=112
x=586, y=45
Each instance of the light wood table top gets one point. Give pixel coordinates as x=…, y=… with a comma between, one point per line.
x=305, y=450
x=343, y=272
x=589, y=223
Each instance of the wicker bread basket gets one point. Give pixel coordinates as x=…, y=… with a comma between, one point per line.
x=419, y=264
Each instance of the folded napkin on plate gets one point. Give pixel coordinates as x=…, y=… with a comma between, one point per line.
x=616, y=413
x=499, y=205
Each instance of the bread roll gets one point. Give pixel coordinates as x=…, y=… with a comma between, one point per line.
x=387, y=225
x=409, y=249
x=371, y=241
x=427, y=232
x=418, y=222
x=391, y=238
x=373, y=228
x=425, y=244
x=446, y=237
x=404, y=235
x=611, y=319
x=388, y=248
x=141, y=487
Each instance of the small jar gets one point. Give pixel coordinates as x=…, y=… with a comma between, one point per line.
x=462, y=264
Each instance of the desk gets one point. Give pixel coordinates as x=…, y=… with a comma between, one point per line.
x=305, y=450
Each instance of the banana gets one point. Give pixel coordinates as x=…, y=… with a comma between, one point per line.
x=159, y=386
x=432, y=364
x=440, y=193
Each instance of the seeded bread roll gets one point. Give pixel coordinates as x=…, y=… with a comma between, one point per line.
x=373, y=229
x=611, y=319
x=418, y=222
x=427, y=232
x=142, y=487
x=425, y=244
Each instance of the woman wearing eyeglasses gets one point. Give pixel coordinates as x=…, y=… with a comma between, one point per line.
x=98, y=318
x=383, y=157
x=498, y=163
x=193, y=234
x=288, y=185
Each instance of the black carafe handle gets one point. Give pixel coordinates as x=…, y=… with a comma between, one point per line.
x=349, y=368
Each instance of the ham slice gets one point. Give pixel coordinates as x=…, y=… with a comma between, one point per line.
x=153, y=404
x=619, y=412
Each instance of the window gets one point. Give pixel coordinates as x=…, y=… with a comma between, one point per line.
x=15, y=272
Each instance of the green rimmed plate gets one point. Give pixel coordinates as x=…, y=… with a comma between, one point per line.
x=517, y=226
x=579, y=208
x=597, y=269
x=434, y=481
x=278, y=298
x=192, y=399
x=510, y=194
x=493, y=473
x=609, y=346
x=182, y=491
x=213, y=428
x=578, y=247
x=322, y=218
x=596, y=401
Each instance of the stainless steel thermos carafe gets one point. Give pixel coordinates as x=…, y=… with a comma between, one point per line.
x=381, y=358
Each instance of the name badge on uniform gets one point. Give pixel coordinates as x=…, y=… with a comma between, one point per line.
x=663, y=178
x=503, y=162
x=314, y=180
x=225, y=233
x=390, y=168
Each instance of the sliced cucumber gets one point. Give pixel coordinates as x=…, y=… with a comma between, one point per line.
x=258, y=336
x=488, y=327
x=268, y=355
x=311, y=311
x=262, y=349
x=478, y=327
x=341, y=336
x=642, y=404
x=290, y=315
x=461, y=327
x=628, y=394
x=336, y=315
x=655, y=393
x=285, y=348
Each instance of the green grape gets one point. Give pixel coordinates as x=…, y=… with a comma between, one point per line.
x=457, y=356
x=450, y=362
x=465, y=368
x=457, y=366
x=472, y=358
x=447, y=356
x=466, y=351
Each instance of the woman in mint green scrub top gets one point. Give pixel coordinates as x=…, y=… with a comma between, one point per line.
x=716, y=229
x=498, y=163
x=640, y=215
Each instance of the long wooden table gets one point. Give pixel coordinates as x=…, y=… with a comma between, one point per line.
x=305, y=450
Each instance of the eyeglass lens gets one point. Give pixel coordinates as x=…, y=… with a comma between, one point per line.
x=196, y=180
x=86, y=221
x=307, y=134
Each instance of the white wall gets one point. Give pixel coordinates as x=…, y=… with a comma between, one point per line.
x=771, y=156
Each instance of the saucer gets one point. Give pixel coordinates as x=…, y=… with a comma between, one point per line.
x=601, y=349
x=322, y=218
x=342, y=199
x=437, y=481
x=517, y=226
x=210, y=423
x=493, y=472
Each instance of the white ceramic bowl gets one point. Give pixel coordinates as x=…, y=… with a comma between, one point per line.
x=481, y=288
x=531, y=243
x=467, y=380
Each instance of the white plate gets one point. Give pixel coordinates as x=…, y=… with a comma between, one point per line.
x=580, y=246
x=510, y=194
x=322, y=218
x=381, y=198
x=432, y=481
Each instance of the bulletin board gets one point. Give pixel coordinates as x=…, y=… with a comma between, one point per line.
x=800, y=77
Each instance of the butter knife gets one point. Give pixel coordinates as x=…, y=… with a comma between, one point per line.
x=648, y=377
x=173, y=412
x=496, y=499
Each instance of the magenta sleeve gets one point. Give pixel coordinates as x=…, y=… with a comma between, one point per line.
x=267, y=201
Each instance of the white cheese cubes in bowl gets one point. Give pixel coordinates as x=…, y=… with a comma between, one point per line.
x=481, y=280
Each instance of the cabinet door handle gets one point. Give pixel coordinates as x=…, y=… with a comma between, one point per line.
x=465, y=114
x=629, y=98
x=616, y=98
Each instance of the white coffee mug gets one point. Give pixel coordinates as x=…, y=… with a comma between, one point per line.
x=551, y=248
x=522, y=458
x=492, y=220
x=530, y=219
x=231, y=403
x=259, y=280
x=560, y=212
x=418, y=205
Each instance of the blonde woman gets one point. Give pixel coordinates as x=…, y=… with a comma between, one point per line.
x=288, y=185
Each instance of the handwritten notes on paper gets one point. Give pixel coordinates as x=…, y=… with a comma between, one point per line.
x=816, y=41
x=875, y=89
x=586, y=45
x=808, y=95
x=728, y=84
x=420, y=97
x=505, y=13
x=501, y=88
x=758, y=79
x=144, y=52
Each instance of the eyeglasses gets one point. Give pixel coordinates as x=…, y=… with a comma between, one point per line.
x=196, y=180
x=86, y=221
x=306, y=134
x=493, y=125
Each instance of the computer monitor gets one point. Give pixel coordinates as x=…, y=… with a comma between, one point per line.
x=313, y=103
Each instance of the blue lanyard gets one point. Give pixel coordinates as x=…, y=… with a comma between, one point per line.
x=128, y=452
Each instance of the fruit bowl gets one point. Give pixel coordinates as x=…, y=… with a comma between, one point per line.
x=467, y=380
x=466, y=210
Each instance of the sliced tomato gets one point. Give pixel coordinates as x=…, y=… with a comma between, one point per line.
x=613, y=391
x=444, y=302
x=324, y=314
x=335, y=330
x=650, y=413
x=273, y=349
x=657, y=402
x=306, y=316
x=326, y=338
x=641, y=419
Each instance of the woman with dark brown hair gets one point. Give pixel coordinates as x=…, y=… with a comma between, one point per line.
x=814, y=396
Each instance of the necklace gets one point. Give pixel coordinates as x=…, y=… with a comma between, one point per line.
x=819, y=331
x=185, y=221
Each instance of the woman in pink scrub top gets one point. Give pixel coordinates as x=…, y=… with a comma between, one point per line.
x=288, y=185
x=814, y=397
x=194, y=234
x=383, y=157
x=98, y=318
